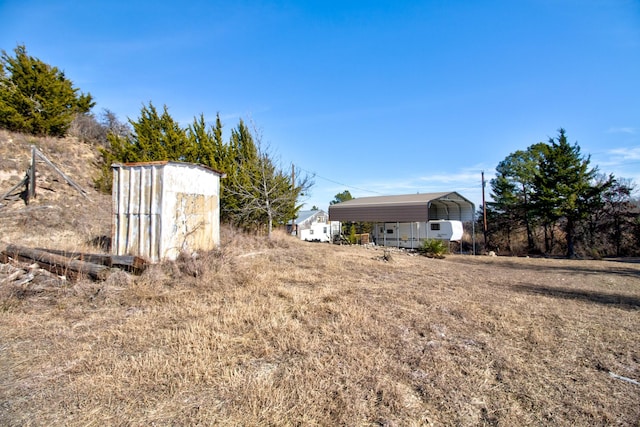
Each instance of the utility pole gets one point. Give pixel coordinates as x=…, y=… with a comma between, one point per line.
x=484, y=214
x=293, y=188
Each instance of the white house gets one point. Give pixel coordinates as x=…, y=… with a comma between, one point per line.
x=314, y=226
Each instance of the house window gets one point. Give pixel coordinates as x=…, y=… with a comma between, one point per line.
x=390, y=231
x=311, y=231
x=324, y=230
x=435, y=227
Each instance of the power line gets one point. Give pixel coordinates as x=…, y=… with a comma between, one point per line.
x=339, y=183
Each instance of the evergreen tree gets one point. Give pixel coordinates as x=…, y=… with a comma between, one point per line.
x=37, y=98
x=341, y=197
x=202, y=146
x=256, y=194
x=158, y=137
x=614, y=222
x=503, y=213
x=564, y=187
x=512, y=188
x=154, y=137
x=240, y=158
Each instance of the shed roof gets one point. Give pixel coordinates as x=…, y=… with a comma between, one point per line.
x=404, y=208
x=170, y=162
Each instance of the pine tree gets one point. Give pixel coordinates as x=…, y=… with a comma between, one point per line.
x=159, y=137
x=564, y=187
x=154, y=137
x=37, y=98
x=512, y=188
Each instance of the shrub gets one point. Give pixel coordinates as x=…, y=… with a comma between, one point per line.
x=433, y=248
x=37, y=98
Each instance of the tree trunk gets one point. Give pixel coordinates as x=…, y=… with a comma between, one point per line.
x=530, y=245
x=546, y=238
x=571, y=253
x=269, y=224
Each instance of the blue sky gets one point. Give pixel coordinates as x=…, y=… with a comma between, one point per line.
x=374, y=97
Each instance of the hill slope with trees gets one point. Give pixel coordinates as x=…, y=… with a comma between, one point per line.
x=546, y=199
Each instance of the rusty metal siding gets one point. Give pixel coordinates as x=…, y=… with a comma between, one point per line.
x=137, y=201
x=163, y=208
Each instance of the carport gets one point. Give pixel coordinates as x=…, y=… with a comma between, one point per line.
x=406, y=208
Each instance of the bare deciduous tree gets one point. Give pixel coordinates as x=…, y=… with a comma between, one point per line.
x=266, y=195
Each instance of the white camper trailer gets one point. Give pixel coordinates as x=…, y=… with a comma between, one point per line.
x=411, y=235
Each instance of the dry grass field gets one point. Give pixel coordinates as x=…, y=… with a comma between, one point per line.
x=284, y=332
x=293, y=333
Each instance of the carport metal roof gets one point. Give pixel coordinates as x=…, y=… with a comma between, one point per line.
x=404, y=208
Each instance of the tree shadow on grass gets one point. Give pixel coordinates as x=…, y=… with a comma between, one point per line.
x=623, y=301
x=573, y=266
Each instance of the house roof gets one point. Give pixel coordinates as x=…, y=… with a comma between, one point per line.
x=404, y=208
x=305, y=215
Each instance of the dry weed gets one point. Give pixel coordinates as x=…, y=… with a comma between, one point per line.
x=288, y=333
x=281, y=332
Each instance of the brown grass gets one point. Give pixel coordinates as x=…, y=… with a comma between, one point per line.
x=288, y=333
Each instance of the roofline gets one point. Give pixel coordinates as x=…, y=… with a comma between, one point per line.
x=167, y=162
x=404, y=208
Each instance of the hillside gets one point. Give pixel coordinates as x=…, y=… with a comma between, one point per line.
x=59, y=217
x=284, y=332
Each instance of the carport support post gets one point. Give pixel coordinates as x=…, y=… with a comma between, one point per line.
x=398, y=234
x=384, y=234
x=411, y=235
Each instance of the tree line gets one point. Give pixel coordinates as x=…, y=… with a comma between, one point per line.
x=548, y=199
x=256, y=194
x=545, y=199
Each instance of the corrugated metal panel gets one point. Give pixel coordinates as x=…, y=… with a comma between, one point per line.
x=137, y=201
x=403, y=213
x=162, y=208
x=404, y=208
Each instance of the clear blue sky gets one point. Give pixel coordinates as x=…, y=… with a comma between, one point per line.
x=374, y=97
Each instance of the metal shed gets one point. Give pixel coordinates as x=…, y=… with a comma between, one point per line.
x=163, y=208
x=406, y=213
